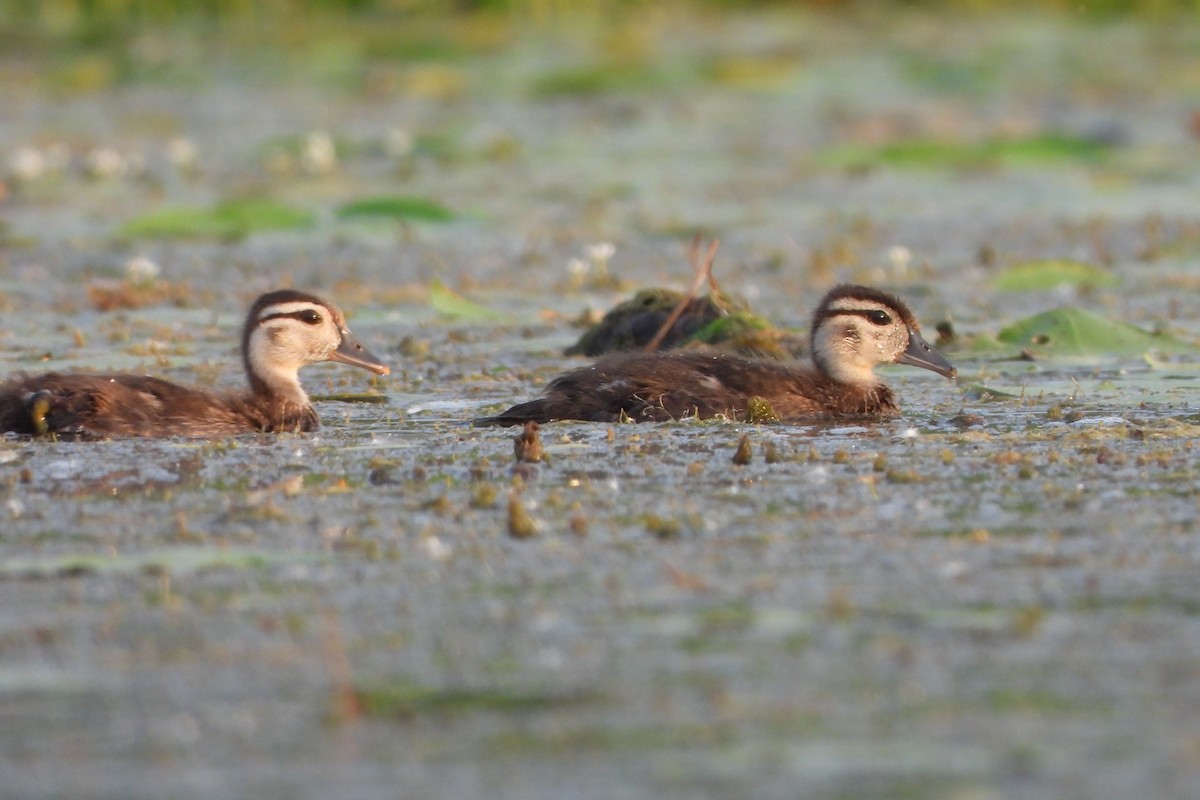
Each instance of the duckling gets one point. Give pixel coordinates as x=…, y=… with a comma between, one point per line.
x=284, y=331
x=854, y=329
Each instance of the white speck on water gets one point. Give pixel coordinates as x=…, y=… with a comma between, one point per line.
x=818, y=474
x=319, y=155
x=908, y=433
x=159, y=474
x=61, y=470
x=952, y=569
x=1097, y=422
x=8, y=456
x=105, y=162
x=398, y=143
x=27, y=164
x=600, y=253
x=15, y=507
x=435, y=548
x=900, y=257
x=141, y=269
x=181, y=152
x=550, y=658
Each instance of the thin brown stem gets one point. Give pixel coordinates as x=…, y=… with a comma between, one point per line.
x=703, y=274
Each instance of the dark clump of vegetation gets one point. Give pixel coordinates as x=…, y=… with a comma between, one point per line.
x=663, y=319
x=405, y=700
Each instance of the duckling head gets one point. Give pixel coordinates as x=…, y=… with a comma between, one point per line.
x=286, y=330
x=857, y=328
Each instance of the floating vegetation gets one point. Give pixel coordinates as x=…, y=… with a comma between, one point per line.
x=601, y=79
x=403, y=700
x=759, y=410
x=1043, y=275
x=664, y=319
x=632, y=324
x=982, y=394
x=367, y=398
x=230, y=220
x=174, y=560
x=124, y=295
x=1075, y=332
x=406, y=209
x=712, y=320
x=449, y=303
x=1042, y=150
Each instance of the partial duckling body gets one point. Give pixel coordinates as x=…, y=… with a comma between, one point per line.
x=284, y=331
x=854, y=330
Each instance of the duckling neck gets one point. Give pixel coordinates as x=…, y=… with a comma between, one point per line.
x=849, y=373
x=275, y=383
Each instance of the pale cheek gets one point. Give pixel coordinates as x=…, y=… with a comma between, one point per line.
x=282, y=351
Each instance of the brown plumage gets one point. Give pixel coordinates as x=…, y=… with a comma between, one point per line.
x=855, y=329
x=284, y=331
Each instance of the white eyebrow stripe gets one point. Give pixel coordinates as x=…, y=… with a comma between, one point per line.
x=287, y=309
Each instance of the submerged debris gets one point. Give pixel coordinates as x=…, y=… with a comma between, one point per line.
x=520, y=524
x=527, y=445
x=743, y=455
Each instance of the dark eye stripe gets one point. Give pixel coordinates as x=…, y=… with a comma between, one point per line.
x=873, y=315
x=303, y=315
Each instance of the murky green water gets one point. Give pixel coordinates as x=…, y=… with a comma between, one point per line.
x=986, y=598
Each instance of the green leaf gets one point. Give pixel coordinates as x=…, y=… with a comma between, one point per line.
x=252, y=216
x=451, y=304
x=1074, y=332
x=1037, y=276
x=229, y=220
x=400, y=208
x=1045, y=149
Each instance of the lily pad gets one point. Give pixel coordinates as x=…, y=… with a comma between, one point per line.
x=231, y=220
x=1075, y=332
x=418, y=209
x=451, y=304
x=1037, y=276
x=1046, y=149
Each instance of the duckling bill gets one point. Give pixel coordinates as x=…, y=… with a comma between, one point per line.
x=854, y=330
x=284, y=331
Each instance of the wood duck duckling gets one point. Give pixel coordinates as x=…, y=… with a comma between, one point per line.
x=854, y=329
x=284, y=331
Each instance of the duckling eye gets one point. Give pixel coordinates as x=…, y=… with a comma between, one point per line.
x=309, y=317
x=879, y=317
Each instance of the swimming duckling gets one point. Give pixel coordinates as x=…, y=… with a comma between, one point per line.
x=854, y=329
x=284, y=331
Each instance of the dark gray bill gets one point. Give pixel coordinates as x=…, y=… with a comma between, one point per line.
x=921, y=354
x=351, y=351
